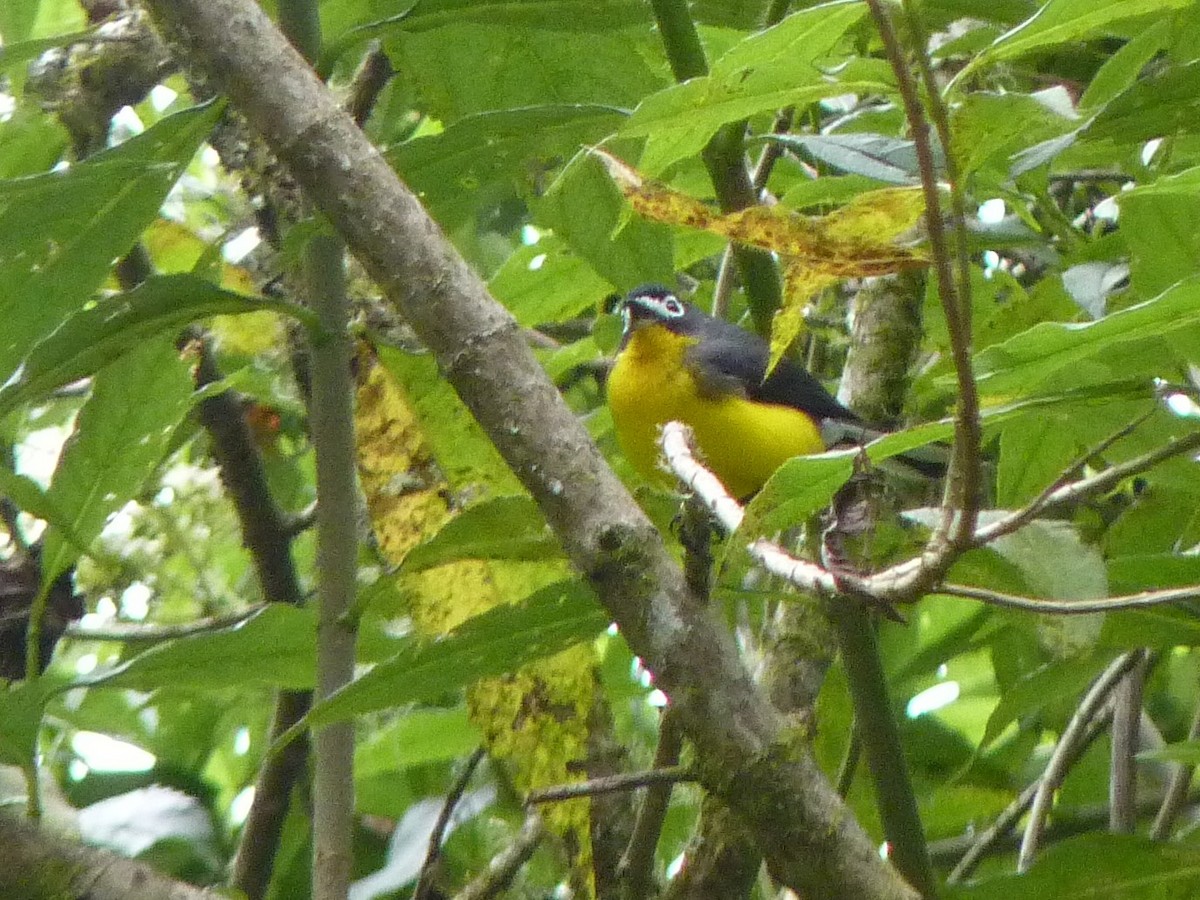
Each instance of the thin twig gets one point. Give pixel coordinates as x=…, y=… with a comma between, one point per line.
x=1178, y=786
x=425, y=887
x=1051, y=494
x=138, y=632
x=1065, y=753
x=1072, y=607
x=961, y=500
x=636, y=869
x=989, y=840
x=504, y=866
x=1126, y=727
x=610, y=783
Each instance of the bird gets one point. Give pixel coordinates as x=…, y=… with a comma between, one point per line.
x=676, y=362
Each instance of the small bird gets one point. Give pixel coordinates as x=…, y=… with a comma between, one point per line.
x=678, y=363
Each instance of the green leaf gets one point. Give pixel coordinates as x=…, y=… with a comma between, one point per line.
x=789, y=64
x=1065, y=21
x=21, y=705
x=495, y=642
x=121, y=434
x=1159, y=105
x=586, y=210
x=1100, y=867
x=1123, y=67
x=1186, y=752
x=273, y=648
x=463, y=167
x=463, y=67
x=1155, y=221
x=875, y=156
x=502, y=528
x=60, y=232
x=546, y=282
x=418, y=737
x=1049, y=684
x=29, y=497
x=93, y=337
x=17, y=53
x=1022, y=363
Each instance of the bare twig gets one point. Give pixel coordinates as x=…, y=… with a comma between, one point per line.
x=636, y=870
x=142, y=633
x=610, y=783
x=1065, y=752
x=1177, y=790
x=1072, y=607
x=425, y=881
x=904, y=582
x=960, y=504
x=1062, y=490
x=1126, y=726
x=988, y=840
x=504, y=867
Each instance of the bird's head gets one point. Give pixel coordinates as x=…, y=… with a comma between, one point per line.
x=653, y=304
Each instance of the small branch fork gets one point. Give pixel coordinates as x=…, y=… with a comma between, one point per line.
x=908, y=581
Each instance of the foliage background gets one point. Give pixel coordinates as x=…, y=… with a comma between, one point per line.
x=1079, y=116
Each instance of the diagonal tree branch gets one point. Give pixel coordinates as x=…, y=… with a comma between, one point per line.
x=811, y=840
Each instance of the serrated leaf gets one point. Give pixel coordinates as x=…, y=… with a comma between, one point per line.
x=502, y=528
x=94, y=337
x=492, y=643
x=60, y=232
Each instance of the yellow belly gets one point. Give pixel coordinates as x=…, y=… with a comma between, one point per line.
x=742, y=442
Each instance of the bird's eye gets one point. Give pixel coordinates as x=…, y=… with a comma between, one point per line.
x=673, y=306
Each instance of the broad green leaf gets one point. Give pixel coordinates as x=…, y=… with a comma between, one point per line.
x=495, y=642
x=17, y=53
x=1156, y=221
x=789, y=64
x=1130, y=574
x=463, y=451
x=418, y=737
x=1026, y=361
x=274, y=648
x=1053, y=682
x=501, y=528
x=461, y=68
x=1157, y=106
x=30, y=142
x=1065, y=21
x=546, y=282
x=95, y=336
x=1099, y=867
x=60, y=232
x=1186, y=752
x=27, y=495
x=463, y=167
x=562, y=16
x=21, y=705
x=1160, y=626
x=586, y=210
x=874, y=156
x=121, y=434
x=1123, y=67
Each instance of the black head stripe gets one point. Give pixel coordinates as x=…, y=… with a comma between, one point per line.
x=650, y=304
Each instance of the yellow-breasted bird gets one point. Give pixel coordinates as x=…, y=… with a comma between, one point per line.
x=678, y=363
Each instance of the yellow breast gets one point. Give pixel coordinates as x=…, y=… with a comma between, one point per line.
x=741, y=441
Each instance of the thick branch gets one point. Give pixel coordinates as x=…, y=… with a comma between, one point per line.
x=38, y=865
x=812, y=841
